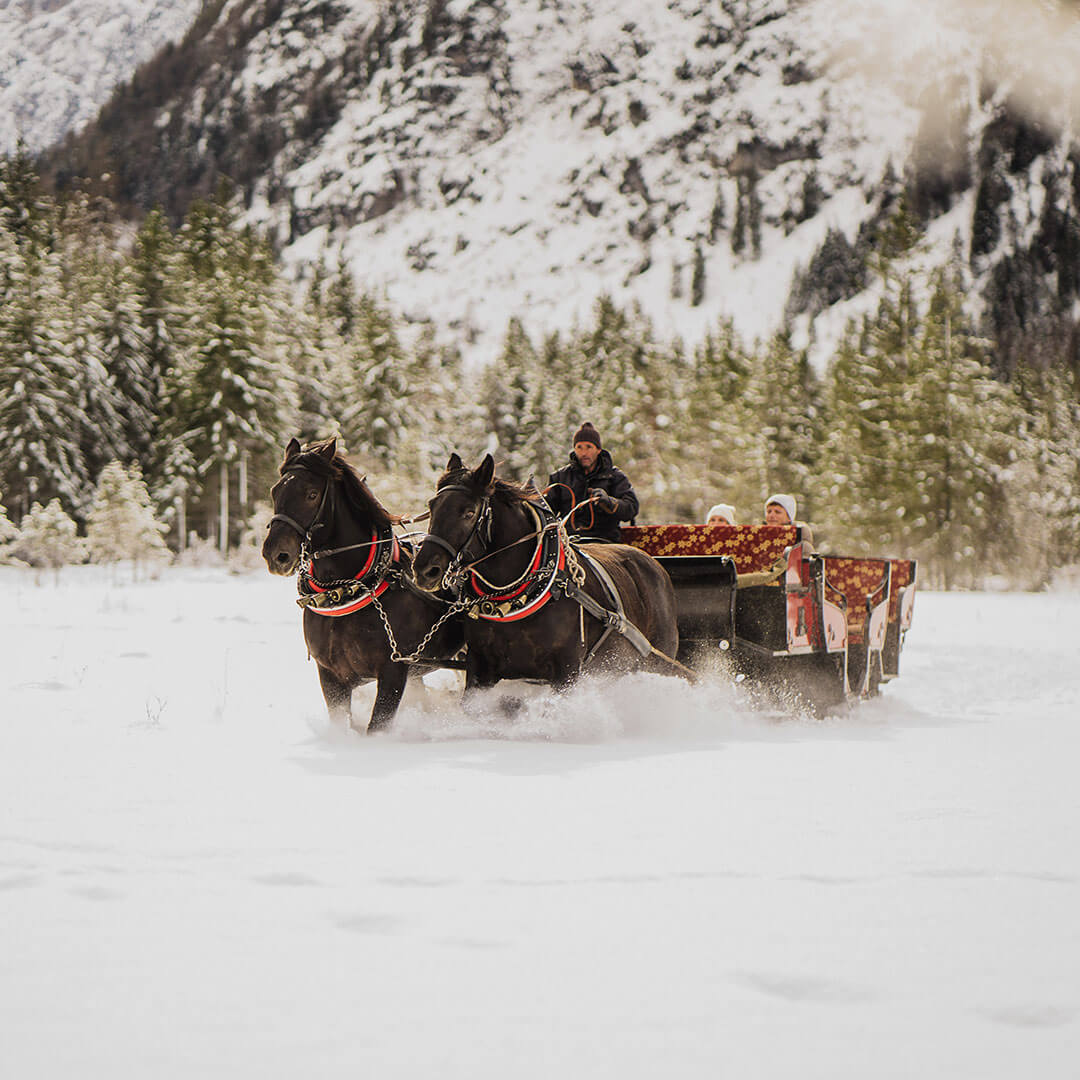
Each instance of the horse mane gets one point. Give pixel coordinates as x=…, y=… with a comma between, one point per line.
x=357, y=493
x=506, y=491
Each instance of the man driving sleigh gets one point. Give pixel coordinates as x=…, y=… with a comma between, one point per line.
x=591, y=475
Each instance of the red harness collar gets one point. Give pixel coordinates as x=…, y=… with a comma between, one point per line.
x=522, y=598
x=337, y=600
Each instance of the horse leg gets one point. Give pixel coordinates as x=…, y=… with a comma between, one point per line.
x=338, y=697
x=478, y=676
x=391, y=686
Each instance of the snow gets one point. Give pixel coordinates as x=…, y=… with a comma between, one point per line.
x=197, y=876
x=60, y=60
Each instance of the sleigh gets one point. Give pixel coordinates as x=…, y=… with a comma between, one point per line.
x=825, y=628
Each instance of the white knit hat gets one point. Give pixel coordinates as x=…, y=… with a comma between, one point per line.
x=724, y=510
x=786, y=501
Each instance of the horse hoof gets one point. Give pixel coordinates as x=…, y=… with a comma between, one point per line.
x=511, y=707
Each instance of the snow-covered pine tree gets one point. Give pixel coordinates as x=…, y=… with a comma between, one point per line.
x=864, y=453
x=504, y=390
x=178, y=484
x=48, y=538
x=230, y=397
x=87, y=263
x=711, y=436
x=129, y=360
x=312, y=342
x=444, y=411
x=781, y=428
x=9, y=534
x=24, y=211
x=121, y=525
x=1042, y=482
x=41, y=418
x=374, y=387
x=542, y=447
x=154, y=267
x=957, y=441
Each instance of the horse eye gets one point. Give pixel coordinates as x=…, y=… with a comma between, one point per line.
x=470, y=513
x=312, y=496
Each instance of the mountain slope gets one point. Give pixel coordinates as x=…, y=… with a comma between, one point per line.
x=477, y=159
x=61, y=59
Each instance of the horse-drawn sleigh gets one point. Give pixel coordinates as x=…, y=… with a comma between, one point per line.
x=495, y=587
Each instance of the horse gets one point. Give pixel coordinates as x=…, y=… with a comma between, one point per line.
x=361, y=607
x=539, y=607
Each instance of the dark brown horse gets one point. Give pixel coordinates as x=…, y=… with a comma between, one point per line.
x=364, y=618
x=539, y=608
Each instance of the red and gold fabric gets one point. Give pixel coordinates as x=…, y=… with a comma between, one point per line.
x=903, y=574
x=857, y=580
x=752, y=547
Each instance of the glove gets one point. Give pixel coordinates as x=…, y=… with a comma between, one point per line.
x=608, y=503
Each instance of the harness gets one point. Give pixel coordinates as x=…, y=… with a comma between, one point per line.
x=555, y=564
x=532, y=590
x=335, y=598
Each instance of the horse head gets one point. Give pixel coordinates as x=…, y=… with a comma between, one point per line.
x=460, y=525
x=301, y=501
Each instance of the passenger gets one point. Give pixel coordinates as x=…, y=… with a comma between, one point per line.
x=780, y=510
x=721, y=514
x=592, y=473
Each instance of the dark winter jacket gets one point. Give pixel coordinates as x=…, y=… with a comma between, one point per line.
x=590, y=521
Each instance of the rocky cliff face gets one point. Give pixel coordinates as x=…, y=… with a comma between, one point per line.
x=478, y=159
x=61, y=59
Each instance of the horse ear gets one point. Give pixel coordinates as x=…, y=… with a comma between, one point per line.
x=454, y=464
x=329, y=450
x=292, y=449
x=485, y=472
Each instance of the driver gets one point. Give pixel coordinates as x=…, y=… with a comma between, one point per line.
x=591, y=473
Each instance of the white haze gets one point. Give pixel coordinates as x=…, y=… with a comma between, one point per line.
x=199, y=877
x=1026, y=49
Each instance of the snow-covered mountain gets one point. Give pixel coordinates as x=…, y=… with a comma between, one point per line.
x=478, y=159
x=61, y=59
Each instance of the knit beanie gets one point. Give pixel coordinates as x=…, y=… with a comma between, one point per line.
x=786, y=501
x=587, y=433
x=724, y=510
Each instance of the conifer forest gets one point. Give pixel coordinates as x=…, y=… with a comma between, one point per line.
x=178, y=359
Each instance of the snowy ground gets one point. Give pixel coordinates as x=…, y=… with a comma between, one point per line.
x=197, y=878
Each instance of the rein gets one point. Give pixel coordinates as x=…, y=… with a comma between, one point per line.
x=508, y=603
x=516, y=599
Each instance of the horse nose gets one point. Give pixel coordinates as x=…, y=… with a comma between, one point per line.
x=428, y=575
x=282, y=558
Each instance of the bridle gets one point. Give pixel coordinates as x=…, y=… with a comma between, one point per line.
x=481, y=529
x=326, y=503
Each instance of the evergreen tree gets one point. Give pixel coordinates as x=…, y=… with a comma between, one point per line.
x=374, y=386
x=957, y=447
x=121, y=524
x=48, y=537
x=25, y=213
x=505, y=392
x=864, y=450
x=1043, y=478
x=128, y=361
x=697, y=278
x=711, y=435
x=717, y=215
x=42, y=421
x=230, y=398
x=9, y=534
x=87, y=265
x=781, y=418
